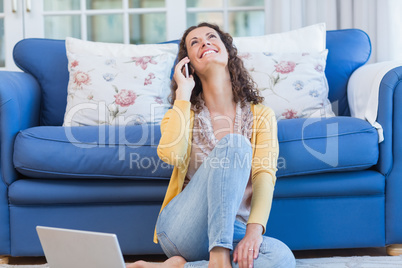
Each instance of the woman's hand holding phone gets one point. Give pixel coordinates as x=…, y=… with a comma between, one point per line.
x=185, y=81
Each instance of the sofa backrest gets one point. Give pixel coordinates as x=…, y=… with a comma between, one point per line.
x=46, y=60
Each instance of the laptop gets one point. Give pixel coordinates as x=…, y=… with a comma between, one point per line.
x=65, y=248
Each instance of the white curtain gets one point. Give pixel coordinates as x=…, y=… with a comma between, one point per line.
x=380, y=19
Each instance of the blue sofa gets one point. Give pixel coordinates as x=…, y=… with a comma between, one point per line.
x=337, y=186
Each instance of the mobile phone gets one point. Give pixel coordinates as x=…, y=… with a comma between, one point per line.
x=186, y=70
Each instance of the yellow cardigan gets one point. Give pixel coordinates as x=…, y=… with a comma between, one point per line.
x=175, y=149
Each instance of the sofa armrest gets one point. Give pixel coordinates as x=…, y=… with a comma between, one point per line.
x=390, y=117
x=375, y=94
x=19, y=109
x=390, y=159
x=365, y=103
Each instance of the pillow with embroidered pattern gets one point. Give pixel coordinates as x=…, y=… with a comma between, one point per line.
x=293, y=84
x=117, y=84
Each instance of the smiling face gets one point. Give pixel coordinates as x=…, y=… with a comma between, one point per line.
x=204, y=46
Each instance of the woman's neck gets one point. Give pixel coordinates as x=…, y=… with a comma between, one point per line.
x=217, y=93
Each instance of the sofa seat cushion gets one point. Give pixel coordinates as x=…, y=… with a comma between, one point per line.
x=90, y=152
x=316, y=145
x=307, y=146
x=61, y=192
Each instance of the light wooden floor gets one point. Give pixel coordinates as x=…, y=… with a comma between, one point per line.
x=299, y=254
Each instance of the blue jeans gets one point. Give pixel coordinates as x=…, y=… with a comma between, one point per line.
x=203, y=215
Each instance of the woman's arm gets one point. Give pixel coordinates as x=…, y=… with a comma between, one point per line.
x=264, y=167
x=263, y=180
x=175, y=129
x=175, y=125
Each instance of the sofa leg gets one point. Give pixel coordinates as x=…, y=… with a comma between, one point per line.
x=4, y=259
x=394, y=250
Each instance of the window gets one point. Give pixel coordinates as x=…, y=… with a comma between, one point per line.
x=122, y=21
x=146, y=21
x=118, y=21
x=238, y=17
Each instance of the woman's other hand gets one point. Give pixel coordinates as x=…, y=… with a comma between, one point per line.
x=185, y=85
x=248, y=248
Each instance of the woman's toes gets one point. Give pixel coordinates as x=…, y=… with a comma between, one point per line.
x=137, y=264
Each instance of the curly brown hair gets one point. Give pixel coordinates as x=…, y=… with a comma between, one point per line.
x=243, y=86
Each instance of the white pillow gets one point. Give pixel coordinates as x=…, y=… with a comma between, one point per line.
x=117, y=84
x=293, y=84
x=307, y=39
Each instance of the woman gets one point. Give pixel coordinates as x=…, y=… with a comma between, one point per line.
x=223, y=145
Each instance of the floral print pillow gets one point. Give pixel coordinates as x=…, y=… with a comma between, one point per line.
x=293, y=84
x=113, y=88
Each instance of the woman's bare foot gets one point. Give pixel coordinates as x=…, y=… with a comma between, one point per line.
x=173, y=262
